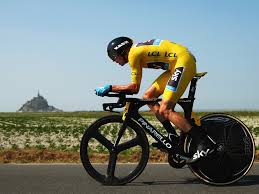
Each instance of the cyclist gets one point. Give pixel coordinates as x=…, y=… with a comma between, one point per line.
x=179, y=67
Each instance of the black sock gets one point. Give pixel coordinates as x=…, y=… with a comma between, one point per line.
x=168, y=127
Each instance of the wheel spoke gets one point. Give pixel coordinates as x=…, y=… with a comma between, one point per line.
x=98, y=136
x=111, y=166
x=107, y=135
x=129, y=144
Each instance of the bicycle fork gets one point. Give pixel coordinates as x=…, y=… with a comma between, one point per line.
x=113, y=155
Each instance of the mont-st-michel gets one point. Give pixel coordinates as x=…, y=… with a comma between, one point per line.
x=38, y=104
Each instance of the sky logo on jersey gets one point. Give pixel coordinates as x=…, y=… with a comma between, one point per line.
x=175, y=79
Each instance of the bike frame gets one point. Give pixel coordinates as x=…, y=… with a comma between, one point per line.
x=132, y=112
x=235, y=148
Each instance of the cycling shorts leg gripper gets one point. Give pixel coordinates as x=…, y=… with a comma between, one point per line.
x=183, y=72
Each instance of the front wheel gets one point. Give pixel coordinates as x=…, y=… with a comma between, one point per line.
x=107, y=163
x=235, y=151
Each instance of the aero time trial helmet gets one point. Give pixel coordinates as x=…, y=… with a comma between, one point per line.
x=118, y=46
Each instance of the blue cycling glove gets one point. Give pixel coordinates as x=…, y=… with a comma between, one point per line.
x=101, y=91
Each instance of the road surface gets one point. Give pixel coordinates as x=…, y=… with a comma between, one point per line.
x=72, y=178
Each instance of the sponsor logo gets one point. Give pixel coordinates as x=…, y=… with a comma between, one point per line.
x=121, y=44
x=175, y=79
x=153, y=54
x=184, y=100
x=158, y=54
x=200, y=154
x=170, y=54
x=176, y=75
x=154, y=132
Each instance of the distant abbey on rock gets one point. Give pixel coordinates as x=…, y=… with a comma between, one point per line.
x=38, y=104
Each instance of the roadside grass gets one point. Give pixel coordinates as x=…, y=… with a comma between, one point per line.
x=54, y=156
x=55, y=137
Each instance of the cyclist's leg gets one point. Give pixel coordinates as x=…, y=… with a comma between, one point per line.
x=182, y=74
x=167, y=111
x=184, y=71
x=155, y=90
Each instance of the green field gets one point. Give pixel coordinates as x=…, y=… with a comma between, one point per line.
x=55, y=131
x=63, y=131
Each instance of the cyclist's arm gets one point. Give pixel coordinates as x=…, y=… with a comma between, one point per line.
x=130, y=88
x=133, y=87
x=136, y=74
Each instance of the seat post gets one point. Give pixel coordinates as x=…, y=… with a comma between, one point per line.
x=188, y=105
x=192, y=88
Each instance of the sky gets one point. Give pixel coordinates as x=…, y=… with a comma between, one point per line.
x=58, y=47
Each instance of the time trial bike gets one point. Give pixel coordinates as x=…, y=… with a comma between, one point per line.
x=120, y=138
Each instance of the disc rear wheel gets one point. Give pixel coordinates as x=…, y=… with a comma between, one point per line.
x=235, y=151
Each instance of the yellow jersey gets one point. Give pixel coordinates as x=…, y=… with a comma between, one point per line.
x=156, y=54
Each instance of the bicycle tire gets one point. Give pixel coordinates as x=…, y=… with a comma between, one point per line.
x=235, y=153
x=142, y=142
